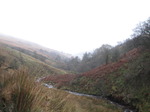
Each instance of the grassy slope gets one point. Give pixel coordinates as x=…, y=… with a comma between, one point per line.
x=18, y=60
x=126, y=81
x=20, y=93
x=65, y=102
x=48, y=55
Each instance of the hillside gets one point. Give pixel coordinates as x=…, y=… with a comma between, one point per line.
x=20, y=91
x=12, y=59
x=111, y=79
x=125, y=81
x=51, y=57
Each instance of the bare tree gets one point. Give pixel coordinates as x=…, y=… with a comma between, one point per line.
x=141, y=36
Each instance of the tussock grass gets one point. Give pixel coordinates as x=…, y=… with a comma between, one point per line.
x=62, y=101
x=55, y=101
x=20, y=93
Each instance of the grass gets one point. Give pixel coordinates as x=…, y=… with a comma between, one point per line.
x=17, y=59
x=20, y=93
x=61, y=101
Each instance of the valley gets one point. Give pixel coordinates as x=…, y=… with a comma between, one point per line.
x=110, y=79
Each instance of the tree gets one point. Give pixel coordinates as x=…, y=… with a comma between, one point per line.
x=128, y=45
x=143, y=29
x=141, y=34
x=74, y=63
x=104, y=53
x=115, y=54
x=85, y=64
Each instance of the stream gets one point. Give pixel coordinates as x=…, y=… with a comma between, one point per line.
x=124, y=108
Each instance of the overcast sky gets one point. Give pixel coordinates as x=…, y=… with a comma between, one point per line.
x=72, y=26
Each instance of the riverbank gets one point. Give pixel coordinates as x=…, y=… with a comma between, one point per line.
x=125, y=108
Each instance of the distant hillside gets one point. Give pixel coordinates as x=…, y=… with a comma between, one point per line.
x=12, y=59
x=51, y=57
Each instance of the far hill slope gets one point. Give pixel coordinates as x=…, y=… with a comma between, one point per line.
x=49, y=56
x=125, y=81
x=11, y=60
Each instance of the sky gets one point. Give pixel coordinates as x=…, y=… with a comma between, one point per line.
x=72, y=26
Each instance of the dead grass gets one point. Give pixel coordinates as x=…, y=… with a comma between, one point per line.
x=20, y=93
x=61, y=101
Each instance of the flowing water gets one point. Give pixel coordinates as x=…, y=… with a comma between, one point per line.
x=124, y=108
